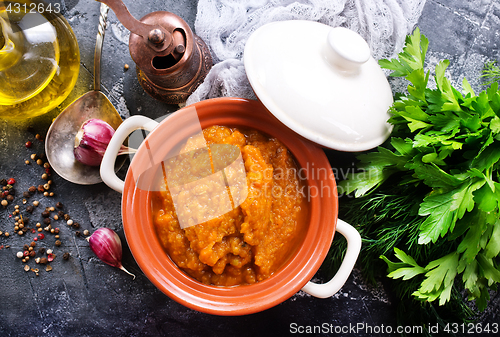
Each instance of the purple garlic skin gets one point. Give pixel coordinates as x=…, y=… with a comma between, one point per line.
x=92, y=140
x=106, y=244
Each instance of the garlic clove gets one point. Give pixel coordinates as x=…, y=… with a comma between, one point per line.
x=106, y=244
x=92, y=140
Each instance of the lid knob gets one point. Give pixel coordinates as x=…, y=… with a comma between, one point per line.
x=346, y=49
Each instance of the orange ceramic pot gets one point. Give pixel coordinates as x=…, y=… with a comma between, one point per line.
x=154, y=261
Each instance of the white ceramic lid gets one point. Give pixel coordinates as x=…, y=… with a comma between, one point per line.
x=321, y=82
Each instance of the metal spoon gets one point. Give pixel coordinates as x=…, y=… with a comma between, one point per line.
x=60, y=138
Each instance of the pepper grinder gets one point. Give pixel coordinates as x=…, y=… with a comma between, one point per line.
x=171, y=60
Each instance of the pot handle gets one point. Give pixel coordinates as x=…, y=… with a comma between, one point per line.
x=128, y=126
x=337, y=282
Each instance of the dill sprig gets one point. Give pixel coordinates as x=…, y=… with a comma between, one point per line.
x=491, y=72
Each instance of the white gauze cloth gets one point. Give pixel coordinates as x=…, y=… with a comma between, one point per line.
x=225, y=26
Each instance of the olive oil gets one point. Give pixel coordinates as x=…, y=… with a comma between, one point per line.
x=39, y=64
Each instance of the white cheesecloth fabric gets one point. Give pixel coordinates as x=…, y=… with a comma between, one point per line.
x=225, y=26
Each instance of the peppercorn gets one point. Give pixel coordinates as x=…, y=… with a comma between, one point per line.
x=20, y=255
x=77, y=233
x=11, y=181
x=69, y=222
x=40, y=188
x=4, y=203
x=32, y=189
x=45, y=176
x=86, y=232
x=46, y=221
x=60, y=214
x=76, y=225
x=46, y=213
x=26, y=247
x=66, y=256
x=36, y=203
x=38, y=136
x=56, y=230
x=43, y=260
x=26, y=194
x=66, y=217
x=3, y=182
x=57, y=243
x=32, y=253
x=52, y=209
x=59, y=204
x=29, y=209
x=7, y=234
x=33, y=244
x=45, y=194
x=10, y=198
x=28, y=144
x=56, y=217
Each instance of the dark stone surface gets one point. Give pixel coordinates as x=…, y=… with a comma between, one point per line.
x=85, y=297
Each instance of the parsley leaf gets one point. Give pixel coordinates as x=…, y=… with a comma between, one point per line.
x=405, y=269
x=439, y=279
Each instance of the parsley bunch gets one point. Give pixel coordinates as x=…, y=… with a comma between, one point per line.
x=445, y=142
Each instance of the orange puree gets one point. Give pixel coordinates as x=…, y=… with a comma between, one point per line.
x=249, y=242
